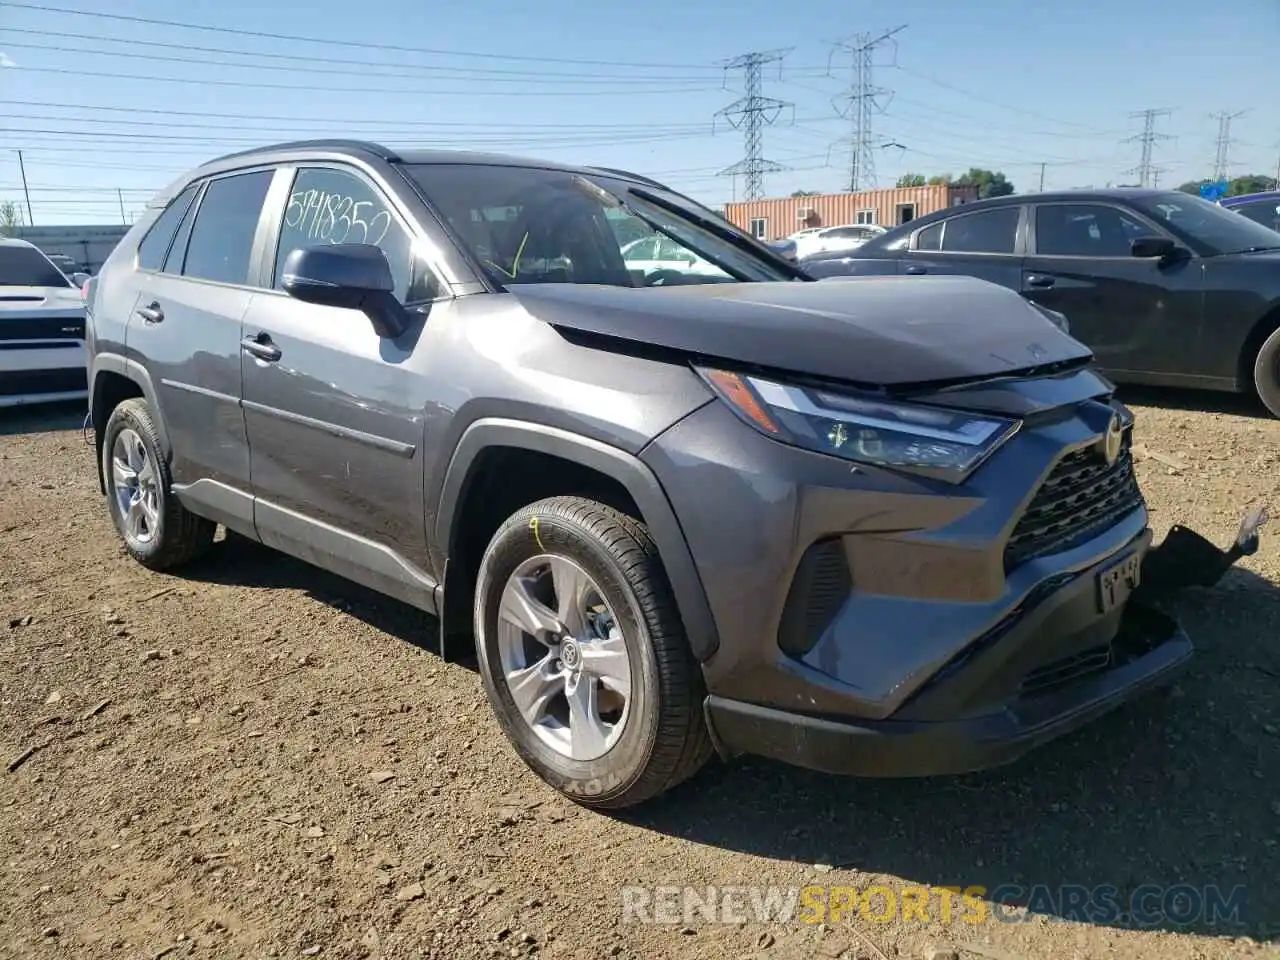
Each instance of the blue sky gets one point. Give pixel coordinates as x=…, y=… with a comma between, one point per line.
x=997, y=84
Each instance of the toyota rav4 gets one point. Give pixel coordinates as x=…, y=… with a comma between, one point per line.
x=881, y=526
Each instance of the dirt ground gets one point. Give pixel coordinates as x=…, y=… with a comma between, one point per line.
x=257, y=760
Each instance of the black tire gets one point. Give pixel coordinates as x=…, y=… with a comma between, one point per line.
x=664, y=740
x=1266, y=373
x=180, y=536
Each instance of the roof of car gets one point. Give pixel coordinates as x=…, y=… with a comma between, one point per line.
x=15, y=242
x=367, y=149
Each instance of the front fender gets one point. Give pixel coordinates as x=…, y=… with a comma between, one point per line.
x=617, y=464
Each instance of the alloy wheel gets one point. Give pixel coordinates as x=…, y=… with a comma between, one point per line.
x=564, y=658
x=135, y=486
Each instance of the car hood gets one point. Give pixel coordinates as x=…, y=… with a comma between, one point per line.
x=39, y=299
x=886, y=331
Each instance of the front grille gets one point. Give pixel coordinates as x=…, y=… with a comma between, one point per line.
x=1079, y=499
x=1064, y=671
x=19, y=382
x=41, y=328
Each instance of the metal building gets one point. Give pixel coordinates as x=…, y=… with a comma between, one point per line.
x=778, y=217
x=88, y=246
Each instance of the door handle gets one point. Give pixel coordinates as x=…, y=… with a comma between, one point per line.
x=916, y=271
x=1040, y=281
x=260, y=347
x=151, y=313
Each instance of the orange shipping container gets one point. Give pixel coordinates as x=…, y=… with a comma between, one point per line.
x=777, y=217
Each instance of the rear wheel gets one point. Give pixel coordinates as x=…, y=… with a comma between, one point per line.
x=157, y=530
x=1266, y=373
x=583, y=656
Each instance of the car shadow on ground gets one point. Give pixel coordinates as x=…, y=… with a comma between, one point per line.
x=42, y=418
x=1177, y=790
x=239, y=561
x=1193, y=401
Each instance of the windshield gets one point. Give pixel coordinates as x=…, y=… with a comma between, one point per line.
x=531, y=225
x=23, y=266
x=1207, y=227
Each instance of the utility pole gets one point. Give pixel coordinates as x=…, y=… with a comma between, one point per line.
x=1147, y=138
x=120, y=197
x=862, y=102
x=752, y=113
x=31, y=220
x=1224, y=143
x=1042, y=166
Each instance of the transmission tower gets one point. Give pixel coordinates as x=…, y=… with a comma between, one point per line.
x=752, y=113
x=1147, y=138
x=1224, y=143
x=862, y=102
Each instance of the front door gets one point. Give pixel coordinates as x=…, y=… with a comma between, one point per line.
x=186, y=324
x=983, y=244
x=335, y=412
x=1136, y=314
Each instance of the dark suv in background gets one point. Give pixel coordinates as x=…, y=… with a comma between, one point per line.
x=880, y=526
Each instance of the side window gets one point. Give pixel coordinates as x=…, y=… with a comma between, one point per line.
x=930, y=238
x=992, y=231
x=178, y=251
x=155, y=244
x=668, y=249
x=336, y=206
x=1265, y=212
x=222, y=237
x=1084, y=230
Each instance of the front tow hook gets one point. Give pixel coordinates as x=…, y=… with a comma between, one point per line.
x=1186, y=559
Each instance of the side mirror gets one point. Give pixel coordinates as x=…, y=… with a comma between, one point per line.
x=355, y=276
x=80, y=279
x=1155, y=248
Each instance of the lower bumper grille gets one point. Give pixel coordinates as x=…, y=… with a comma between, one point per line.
x=22, y=382
x=1080, y=498
x=1061, y=672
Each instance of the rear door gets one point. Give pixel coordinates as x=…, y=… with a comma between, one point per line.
x=185, y=328
x=1140, y=316
x=986, y=243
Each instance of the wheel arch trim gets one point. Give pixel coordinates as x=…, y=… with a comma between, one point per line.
x=135, y=372
x=619, y=465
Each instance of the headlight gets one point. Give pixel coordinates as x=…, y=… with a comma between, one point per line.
x=936, y=442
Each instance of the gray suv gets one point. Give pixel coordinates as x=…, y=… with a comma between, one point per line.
x=872, y=526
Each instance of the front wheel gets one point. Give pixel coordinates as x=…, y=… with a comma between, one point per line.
x=1266, y=373
x=583, y=656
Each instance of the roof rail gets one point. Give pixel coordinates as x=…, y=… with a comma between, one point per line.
x=364, y=146
x=633, y=176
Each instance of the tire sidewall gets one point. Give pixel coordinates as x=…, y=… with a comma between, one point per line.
x=1266, y=374
x=611, y=774
x=125, y=418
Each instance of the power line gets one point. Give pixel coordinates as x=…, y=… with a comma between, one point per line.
x=1147, y=138
x=364, y=45
x=396, y=73
x=862, y=101
x=401, y=90
x=752, y=113
x=1224, y=143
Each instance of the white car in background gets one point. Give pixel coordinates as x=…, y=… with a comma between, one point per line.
x=827, y=239
x=659, y=252
x=42, y=350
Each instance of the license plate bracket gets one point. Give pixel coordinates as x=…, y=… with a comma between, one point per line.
x=1117, y=581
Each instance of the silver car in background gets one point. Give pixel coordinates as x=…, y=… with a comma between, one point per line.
x=42, y=350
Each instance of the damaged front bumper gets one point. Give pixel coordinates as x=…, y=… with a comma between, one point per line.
x=1148, y=651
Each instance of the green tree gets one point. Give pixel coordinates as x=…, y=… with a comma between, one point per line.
x=990, y=183
x=10, y=218
x=911, y=180
x=940, y=180
x=1250, y=183
x=804, y=193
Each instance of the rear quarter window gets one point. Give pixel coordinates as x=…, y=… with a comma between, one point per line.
x=154, y=246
